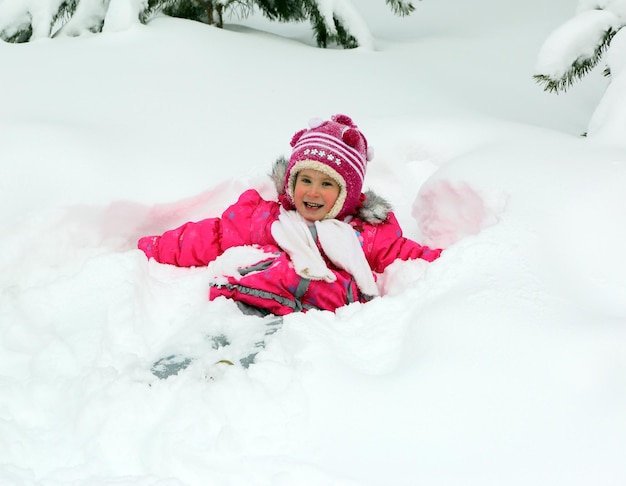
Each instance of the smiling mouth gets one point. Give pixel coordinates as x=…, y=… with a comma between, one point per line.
x=313, y=205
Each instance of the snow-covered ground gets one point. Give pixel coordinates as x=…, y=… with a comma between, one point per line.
x=502, y=363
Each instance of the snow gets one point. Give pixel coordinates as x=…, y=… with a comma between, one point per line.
x=585, y=31
x=122, y=14
x=501, y=363
x=349, y=17
x=618, y=7
x=609, y=118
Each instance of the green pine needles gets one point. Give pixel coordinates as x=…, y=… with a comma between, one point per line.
x=323, y=35
x=400, y=8
x=64, y=13
x=152, y=9
x=336, y=33
x=579, y=68
x=328, y=28
x=19, y=31
x=206, y=11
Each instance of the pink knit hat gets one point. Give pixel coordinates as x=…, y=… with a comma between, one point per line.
x=338, y=149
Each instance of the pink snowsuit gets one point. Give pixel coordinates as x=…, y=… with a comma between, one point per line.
x=272, y=283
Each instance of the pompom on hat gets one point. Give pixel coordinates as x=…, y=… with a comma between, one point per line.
x=337, y=148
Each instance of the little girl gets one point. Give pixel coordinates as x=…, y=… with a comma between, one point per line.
x=318, y=243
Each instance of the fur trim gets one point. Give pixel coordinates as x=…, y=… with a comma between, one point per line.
x=374, y=210
x=279, y=171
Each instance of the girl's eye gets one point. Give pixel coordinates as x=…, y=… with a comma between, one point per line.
x=327, y=184
x=306, y=180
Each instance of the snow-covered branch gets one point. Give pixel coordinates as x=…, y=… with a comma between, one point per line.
x=575, y=48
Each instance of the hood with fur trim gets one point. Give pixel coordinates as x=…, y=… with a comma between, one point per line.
x=374, y=209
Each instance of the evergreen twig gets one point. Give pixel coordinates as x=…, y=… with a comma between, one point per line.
x=579, y=68
x=62, y=16
x=20, y=33
x=400, y=7
x=64, y=12
x=326, y=30
x=154, y=8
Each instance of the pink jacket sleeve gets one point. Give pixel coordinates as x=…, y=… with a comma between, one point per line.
x=189, y=245
x=246, y=222
x=389, y=245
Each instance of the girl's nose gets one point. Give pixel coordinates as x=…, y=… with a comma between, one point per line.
x=313, y=190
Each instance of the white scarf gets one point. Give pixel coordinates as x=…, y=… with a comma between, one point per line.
x=337, y=239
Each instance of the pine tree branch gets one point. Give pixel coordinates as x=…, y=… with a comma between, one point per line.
x=63, y=15
x=579, y=68
x=65, y=11
x=20, y=32
x=400, y=7
x=154, y=8
x=282, y=10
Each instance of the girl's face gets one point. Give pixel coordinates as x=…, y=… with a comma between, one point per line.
x=314, y=194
